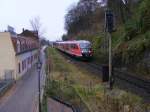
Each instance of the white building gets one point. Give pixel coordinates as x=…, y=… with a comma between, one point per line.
x=17, y=55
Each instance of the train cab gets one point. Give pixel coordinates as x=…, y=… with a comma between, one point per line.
x=86, y=49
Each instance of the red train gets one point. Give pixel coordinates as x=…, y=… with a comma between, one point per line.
x=76, y=48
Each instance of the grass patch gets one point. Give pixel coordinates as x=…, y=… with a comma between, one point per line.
x=84, y=90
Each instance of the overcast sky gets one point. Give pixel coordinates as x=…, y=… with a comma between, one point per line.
x=18, y=13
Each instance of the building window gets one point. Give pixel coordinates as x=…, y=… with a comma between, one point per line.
x=22, y=65
x=18, y=46
x=31, y=59
x=19, y=68
x=28, y=60
x=25, y=64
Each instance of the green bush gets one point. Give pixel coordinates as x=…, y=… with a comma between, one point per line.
x=144, y=13
x=147, y=35
x=96, y=43
x=131, y=30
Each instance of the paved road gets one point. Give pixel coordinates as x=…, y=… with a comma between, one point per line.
x=24, y=95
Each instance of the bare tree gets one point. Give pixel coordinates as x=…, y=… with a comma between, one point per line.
x=37, y=26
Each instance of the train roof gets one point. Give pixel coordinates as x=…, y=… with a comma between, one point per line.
x=74, y=41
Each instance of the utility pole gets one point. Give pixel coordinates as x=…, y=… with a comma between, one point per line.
x=110, y=62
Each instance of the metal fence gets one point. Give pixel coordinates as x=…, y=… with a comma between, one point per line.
x=6, y=81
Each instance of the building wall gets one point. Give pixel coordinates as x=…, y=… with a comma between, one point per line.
x=25, y=61
x=7, y=56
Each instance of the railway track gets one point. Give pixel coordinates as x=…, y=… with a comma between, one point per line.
x=128, y=77
x=123, y=80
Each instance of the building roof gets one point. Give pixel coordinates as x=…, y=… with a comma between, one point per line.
x=30, y=34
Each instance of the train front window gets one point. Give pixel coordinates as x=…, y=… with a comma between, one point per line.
x=85, y=50
x=85, y=45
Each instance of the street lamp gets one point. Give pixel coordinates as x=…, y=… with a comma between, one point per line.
x=39, y=66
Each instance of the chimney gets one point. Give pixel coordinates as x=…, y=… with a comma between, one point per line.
x=22, y=29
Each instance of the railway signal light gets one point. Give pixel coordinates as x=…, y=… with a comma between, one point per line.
x=109, y=21
x=109, y=27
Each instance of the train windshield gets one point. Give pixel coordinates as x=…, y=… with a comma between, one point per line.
x=85, y=45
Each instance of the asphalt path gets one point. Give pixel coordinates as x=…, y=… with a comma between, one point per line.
x=23, y=96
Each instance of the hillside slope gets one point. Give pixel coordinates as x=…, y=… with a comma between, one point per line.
x=130, y=41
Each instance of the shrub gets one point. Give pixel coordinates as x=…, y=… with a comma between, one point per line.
x=131, y=30
x=144, y=13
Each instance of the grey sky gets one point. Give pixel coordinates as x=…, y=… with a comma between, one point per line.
x=18, y=13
